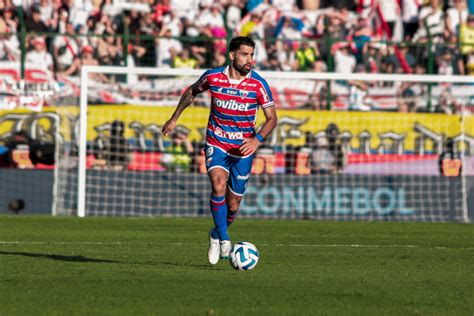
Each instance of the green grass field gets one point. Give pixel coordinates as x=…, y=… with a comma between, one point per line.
x=158, y=266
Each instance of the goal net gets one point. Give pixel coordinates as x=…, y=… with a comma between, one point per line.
x=347, y=147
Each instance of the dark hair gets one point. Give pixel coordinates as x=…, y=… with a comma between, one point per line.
x=236, y=42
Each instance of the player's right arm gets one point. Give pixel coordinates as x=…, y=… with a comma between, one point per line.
x=186, y=99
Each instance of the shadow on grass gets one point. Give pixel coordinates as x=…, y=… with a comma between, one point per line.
x=185, y=264
x=85, y=259
x=58, y=257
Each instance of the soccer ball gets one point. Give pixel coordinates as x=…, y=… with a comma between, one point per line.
x=243, y=256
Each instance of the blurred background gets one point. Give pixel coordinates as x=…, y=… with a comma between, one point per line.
x=406, y=129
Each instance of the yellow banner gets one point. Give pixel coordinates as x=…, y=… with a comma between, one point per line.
x=293, y=124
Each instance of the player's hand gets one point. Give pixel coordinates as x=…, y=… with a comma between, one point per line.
x=168, y=127
x=249, y=146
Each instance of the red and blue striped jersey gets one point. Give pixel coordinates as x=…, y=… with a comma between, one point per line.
x=234, y=106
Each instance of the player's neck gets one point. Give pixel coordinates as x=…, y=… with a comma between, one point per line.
x=234, y=74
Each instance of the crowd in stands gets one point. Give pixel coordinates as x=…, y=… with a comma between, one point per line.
x=386, y=36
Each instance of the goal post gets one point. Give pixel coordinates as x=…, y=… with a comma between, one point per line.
x=389, y=167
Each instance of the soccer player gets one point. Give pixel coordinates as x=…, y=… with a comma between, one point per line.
x=231, y=139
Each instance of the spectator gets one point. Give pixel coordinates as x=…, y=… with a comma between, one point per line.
x=135, y=53
x=47, y=14
x=345, y=62
x=173, y=24
x=411, y=95
x=410, y=10
x=456, y=16
x=361, y=34
x=450, y=162
x=445, y=65
x=34, y=23
x=284, y=54
x=167, y=48
x=219, y=57
x=65, y=48
x=234, y=14
x=453, y=50
x=335, y=146
x=395, y=61
x=86, y=58
x=336, y=21
x=289, y=28
x=272, y=61
x=161, y=8
x=251, y=25
x=447, y=102
x=466, y=39
x=389, y=10
x=109, y=52
x=39, y=57
x=358, y=96
x=372, y=59
x=117, y=156
x=147, y=29
x=431, y=22
x=306, y=57
x=322, y=160
x=178, y=156
x=62, y=21
x=10, y=19
x=107, y=8
x=9, y=44
x=184, y=60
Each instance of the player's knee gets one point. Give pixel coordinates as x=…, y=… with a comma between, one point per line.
x=219, y=187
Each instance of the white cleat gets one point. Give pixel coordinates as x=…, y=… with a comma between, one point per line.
x=226, y=246
x=214, y=250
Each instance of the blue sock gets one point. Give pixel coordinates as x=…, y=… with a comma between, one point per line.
x=219, y=214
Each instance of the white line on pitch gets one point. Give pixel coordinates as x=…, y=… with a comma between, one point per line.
x=182, y=244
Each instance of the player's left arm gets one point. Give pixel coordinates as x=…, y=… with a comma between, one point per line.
x=250, y=145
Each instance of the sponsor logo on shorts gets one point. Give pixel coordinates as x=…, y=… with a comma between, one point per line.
x=239, y=177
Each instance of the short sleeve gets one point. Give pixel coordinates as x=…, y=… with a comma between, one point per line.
x=202, y=84
x=264, y=95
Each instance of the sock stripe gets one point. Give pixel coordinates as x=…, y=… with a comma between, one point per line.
x=215, y=203
x=231, y=216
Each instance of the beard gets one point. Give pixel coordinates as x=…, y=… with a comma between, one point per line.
x=241, y=69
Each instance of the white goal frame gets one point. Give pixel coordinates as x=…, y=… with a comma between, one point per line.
x=86, y=70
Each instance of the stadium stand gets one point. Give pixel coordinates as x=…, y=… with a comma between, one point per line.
x=155, y=33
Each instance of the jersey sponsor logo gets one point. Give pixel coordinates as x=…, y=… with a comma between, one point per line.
x=229, y=135
x=239, y=177
x=245, y=84
x=218, y=80
x=231, y=105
